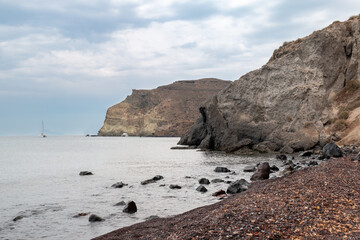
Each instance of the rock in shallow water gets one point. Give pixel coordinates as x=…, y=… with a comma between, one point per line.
x=95, y=218
x=174, y=186
x=130, y=208
x=85, y=173
x=250, y=169
x=204, y=181
x=262, y=172
x=222, y=169
x=152, y=180
x=122, y=203
x=201, y=188
x=238, y=186
x=119, y=185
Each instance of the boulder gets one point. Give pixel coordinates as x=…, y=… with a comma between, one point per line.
x=174, y=186
x=262, y=172
x=222, y=170
x=238, y=186
x=95, y=218
x=332, y=150
x=119, y=185
x=130, y=208
x=204, y=181
x=85, y=173
x=250, y=169
x=201, y=188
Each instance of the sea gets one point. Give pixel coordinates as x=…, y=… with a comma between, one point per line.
x=41, y=186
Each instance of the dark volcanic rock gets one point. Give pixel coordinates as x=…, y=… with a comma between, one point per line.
x=219, y=193
x=85, y=173
x=238, y=186
x=306, y=154
x=95, y=218
x=332, y=150
x=204, y=181
x=130, y=208
x=152, y=180
x=222, y=169
x=119, y=185
x=201, y=188
x=17, y=218
x=174, y=186
x=273, y=169
x=263, y=172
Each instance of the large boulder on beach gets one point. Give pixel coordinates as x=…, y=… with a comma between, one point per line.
x=332, y=150
x=238, y=186
x=262, y=172
x=130, y=208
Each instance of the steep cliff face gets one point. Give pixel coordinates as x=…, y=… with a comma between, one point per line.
x=307, y=94
x=165, y=111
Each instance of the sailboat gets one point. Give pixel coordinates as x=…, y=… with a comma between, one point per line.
x=43, y=131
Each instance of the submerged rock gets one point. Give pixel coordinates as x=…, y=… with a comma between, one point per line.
x=263, y=172
x=122, y=203
x=274, y=168
x=17, y=218
x=250, y=169
x=217, y=180
x=85, y=173
x=219, y=193
x=95, y=218
x=238, y=186
x=130, y=208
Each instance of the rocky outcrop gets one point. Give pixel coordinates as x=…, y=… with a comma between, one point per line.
x=165, y=111
x=308, y=91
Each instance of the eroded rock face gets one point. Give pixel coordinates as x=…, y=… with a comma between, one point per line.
x=165, y=111
x=308, y=90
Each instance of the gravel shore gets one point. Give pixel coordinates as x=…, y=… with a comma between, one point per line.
x=321, y=202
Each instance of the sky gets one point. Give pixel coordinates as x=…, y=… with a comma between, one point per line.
x=65, y=62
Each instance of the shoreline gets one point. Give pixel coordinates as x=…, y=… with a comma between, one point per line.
x=318, y=202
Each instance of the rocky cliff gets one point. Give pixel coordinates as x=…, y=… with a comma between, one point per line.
x=165, y=111
x=306, y=95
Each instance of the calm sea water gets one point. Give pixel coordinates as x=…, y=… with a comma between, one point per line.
x=39, y=180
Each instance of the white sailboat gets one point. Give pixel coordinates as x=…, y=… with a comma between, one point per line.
x=43, y=131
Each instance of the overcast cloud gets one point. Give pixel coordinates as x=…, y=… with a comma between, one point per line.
x=67, y=61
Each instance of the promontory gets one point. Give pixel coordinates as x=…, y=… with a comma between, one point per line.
x=306, y=95
x=165, y=111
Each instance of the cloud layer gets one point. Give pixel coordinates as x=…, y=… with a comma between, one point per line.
x=105, y=48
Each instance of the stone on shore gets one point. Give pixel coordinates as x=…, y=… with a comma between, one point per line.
x=219, y=193
x=263, y=172
x=130, y=208
x=238, y=186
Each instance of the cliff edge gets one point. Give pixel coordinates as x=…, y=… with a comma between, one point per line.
x=165, y=111
x=306, y=95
